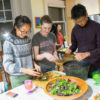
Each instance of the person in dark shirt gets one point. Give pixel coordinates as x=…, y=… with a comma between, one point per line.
x=86, y=38
x=44, y=46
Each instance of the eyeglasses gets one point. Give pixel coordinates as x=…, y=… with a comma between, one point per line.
x=23, y=32
x=81, y=21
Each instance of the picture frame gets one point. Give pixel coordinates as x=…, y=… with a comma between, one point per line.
x=37, y=22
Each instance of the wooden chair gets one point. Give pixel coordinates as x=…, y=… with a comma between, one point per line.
x=1, y=79
x=6, y=75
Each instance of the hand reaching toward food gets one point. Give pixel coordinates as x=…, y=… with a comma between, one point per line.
x=53, y=59
x=37, y=67
x=50, y=57
x=55, y=56
x=81, y=56
x=31, y=72
x=68, y=51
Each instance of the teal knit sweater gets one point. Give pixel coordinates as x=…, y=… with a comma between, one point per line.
x=17, y=54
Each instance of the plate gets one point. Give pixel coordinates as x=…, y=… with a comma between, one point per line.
x=81, y=83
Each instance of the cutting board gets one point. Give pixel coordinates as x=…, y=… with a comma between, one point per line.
x=50, y=75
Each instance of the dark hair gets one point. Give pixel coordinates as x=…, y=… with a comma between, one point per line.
x=45, y=19
x=19, y=21
x=78, y=11
x=54, y=28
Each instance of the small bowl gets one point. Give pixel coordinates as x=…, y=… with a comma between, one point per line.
x=28, y=84
x=81, y=83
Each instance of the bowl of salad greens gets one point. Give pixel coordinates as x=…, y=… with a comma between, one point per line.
x=66, y=88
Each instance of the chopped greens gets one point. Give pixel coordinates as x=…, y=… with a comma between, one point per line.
x=64, y=87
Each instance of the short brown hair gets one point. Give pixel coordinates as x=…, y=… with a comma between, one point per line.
x=45, y=19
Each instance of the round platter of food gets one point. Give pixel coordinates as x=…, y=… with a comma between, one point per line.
x=66, y=88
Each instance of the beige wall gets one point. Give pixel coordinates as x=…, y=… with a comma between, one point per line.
x=39, y=8
x=92, y=6
x=99, y=6
x=37, y=11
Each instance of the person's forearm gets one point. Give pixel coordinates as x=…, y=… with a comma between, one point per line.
x=23, y=70
x=68, y=51
x=39, y=57
x=95, y=52
x=55, y=53
x=87, y=54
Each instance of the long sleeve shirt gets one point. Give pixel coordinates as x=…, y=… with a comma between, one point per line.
x=17, y=54
x=87, y=39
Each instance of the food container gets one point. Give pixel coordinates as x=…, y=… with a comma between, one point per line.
x=28, y=84
x=81, y=83
x=76, y=68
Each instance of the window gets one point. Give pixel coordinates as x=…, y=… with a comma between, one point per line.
x=57, y=14
x=56, y=10
x=6, y=20
x=5, y=11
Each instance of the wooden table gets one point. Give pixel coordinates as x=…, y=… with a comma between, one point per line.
x=39, y=94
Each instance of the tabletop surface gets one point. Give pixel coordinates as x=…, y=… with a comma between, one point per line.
x=39, y=94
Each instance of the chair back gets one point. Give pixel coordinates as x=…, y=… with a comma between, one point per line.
x=4, y=74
